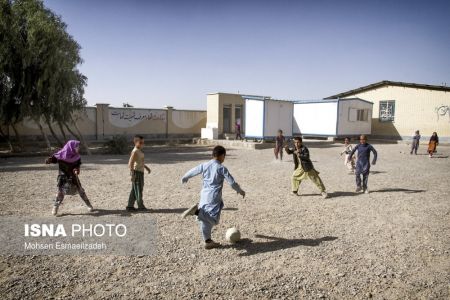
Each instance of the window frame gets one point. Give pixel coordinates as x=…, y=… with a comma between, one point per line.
x=392, y=117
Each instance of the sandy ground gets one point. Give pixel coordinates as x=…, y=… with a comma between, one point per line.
x=390, y=244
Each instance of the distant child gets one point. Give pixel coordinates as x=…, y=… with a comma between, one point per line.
x=304, y=168
x=69, y=162
x=363, y=163
x=238, y=130
x=279, y=144
x=432, y=144
x=349, y=163
x=211, y=202
x=415, y=142
x=137, y=167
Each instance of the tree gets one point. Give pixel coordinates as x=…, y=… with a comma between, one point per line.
x=38, y=61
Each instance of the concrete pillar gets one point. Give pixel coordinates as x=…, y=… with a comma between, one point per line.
x=233, y=118
x=169, y=110
x=102, y=120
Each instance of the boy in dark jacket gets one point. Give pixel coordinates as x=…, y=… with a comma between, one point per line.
x=304, y=168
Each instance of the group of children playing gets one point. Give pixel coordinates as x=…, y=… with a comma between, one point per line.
x=213, y=172
x=432, y=144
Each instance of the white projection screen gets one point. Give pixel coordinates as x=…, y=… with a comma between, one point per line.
x=278, y=116
x=315, y=118
x=254, y=118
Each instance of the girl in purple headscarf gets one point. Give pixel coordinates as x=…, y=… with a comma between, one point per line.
x=69, y=161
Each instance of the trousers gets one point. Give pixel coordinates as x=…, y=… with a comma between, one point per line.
x=206, y=223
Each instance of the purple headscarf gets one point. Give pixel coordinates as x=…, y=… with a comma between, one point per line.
x=68, y=153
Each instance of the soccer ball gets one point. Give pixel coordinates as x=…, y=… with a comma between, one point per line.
x=233, y=235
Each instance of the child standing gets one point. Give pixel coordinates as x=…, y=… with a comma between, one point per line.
x=415, y=142
x=432, y=144
x=304, y=168
x=363, y=163
x=137, y=167
x=237, y=128
x=349, y=163
x=279, y=143
x=211, y=202
x=69, y=162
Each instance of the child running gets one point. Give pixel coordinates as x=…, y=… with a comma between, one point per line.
x=211, y=202
x=279, y=143
x=69, y=162
x=304, y=168
x=432, y=144
x=349, y=163
x=363, y=163
x=415, y=142
x=137, y=167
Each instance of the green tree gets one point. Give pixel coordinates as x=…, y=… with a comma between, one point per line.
x=45, y=85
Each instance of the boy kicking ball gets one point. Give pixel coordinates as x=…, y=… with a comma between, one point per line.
x=211, y=202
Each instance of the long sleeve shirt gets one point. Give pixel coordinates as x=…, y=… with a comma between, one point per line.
x=66, y=170
x=363, y=162
x=347, y=149
x=213, y=174
x=301, y=157
x=279, y=141
x=416, y=139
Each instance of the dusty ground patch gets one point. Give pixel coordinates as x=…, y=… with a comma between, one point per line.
x=391, y=244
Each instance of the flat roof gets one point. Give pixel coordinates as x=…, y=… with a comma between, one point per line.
x=390, y=83
x=326, y=100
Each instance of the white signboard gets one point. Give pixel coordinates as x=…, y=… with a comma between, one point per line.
x=315, y=118
x=254, y=118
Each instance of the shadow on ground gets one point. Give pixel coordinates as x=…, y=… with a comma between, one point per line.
x=123, y=213
x=275, y=243
x=388, y=190
x=377, y=172
x=332, y=194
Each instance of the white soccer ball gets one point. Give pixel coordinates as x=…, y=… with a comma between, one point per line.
x=233, y=235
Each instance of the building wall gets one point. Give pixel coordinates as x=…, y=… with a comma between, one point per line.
x=349, y=127
x=102, y=122
x=415, y=109
x=317, y=119
x=215, y=104
x=28, y=129
x=186, y=122
x=278, y=115
x=212, y=110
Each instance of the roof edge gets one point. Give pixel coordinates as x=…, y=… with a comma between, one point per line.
x=390, y=83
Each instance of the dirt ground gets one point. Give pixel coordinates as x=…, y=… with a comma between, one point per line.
x=390, y=244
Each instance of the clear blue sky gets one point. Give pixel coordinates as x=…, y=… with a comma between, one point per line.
x=153, y=53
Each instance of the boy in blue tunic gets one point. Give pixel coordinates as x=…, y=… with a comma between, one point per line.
x=415, y=142
x=211, y=203
x=363, y=163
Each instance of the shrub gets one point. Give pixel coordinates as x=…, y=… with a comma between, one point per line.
x=117, y=145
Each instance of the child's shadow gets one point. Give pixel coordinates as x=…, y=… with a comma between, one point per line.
x=105, y=212
x=275, y=244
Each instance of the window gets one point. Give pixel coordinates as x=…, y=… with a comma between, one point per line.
x=387, y=111
x=362, y=115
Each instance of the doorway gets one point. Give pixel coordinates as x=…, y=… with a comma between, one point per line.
x=238, y=115
x=227, y=119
